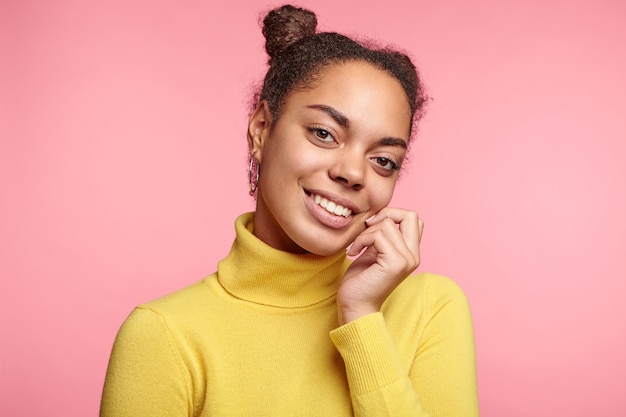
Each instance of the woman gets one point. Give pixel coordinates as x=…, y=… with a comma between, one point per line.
x=288, y=325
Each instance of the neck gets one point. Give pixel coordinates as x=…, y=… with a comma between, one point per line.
x=255, y=272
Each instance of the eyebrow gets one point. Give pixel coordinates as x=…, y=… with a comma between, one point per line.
x=343, y=121
x=338, y=116
x=393, y=142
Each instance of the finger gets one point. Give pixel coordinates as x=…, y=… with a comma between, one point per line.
x=409, y=222
x=421, y=228
x=387, y=248
x=384, y=238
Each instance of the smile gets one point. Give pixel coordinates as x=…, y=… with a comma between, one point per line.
x=331, y=206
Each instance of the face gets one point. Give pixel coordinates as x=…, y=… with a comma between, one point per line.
x=331, y=160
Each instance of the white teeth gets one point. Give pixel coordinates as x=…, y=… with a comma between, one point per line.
x=331, y=206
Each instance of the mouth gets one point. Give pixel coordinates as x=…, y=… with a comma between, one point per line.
x=331, y=206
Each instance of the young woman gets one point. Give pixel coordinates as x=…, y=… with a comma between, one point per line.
x=293, y=323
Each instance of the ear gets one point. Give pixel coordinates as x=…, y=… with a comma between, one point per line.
x=258, y=129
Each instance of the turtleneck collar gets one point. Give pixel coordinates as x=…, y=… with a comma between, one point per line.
x=256, y=272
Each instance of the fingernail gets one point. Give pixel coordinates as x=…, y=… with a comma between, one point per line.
x=366, y=221
x=348, y=248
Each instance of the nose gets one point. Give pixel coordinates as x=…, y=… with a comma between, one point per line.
x=348, y=170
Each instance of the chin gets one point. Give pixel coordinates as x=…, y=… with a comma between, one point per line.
x=318, y=247
x=326, y=251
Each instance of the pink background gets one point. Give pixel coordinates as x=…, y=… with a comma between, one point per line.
x=123, y=159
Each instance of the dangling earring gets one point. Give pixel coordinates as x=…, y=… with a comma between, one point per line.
x=253, y=174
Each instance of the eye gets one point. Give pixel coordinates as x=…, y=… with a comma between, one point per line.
x=322, y=135
x=386, y=163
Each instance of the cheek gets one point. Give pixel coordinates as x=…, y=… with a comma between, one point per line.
x=381, y=195
x=305, y=161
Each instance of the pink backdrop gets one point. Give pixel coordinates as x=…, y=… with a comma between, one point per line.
x=123, y=167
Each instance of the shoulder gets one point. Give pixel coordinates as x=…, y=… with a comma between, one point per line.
x=429, y=294
x=183, y=298
x=165, y=320
x=432, y=286
x=173, y=309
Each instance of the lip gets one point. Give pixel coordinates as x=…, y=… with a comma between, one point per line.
x=335, y=198
x=324, y=217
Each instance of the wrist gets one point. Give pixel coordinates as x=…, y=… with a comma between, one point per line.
x=347, y=314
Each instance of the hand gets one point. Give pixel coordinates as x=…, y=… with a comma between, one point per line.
x=391, y=242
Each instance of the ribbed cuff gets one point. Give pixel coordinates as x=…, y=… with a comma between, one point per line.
x=368, y=352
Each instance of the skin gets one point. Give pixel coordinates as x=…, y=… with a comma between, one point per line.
x=344, y=139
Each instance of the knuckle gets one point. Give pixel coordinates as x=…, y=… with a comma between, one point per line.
x=407, y=263
x=387, y=223
x=412, y=262
x=416, y=261
x=412, y=215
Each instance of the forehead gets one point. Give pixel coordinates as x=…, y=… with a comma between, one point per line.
x=365, y=94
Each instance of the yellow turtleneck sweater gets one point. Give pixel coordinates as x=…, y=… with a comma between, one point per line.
x=260, y=338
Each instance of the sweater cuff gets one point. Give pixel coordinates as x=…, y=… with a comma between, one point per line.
x=369, y=354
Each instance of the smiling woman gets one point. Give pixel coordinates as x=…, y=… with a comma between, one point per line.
x=337, y=142
x=289, y=325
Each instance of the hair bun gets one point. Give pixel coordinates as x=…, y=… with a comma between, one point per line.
x=286, y=25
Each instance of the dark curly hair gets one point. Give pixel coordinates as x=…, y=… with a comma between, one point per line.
x=297, y=55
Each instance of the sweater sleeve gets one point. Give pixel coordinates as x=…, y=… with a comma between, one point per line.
x=440, y=381
x=145, y=376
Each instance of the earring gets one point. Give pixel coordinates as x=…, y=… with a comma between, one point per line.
x=253, y=175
